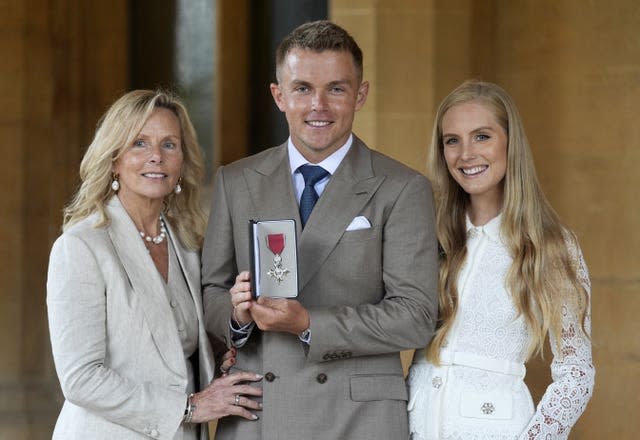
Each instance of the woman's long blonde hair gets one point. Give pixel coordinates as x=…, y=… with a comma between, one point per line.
x=116, y=131
x=543, y=278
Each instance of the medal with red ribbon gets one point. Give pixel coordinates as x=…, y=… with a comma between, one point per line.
x=276, y=244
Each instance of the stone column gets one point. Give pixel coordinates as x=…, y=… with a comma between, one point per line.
x=64, y=62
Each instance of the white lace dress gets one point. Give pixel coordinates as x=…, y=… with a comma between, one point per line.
x=478, y=392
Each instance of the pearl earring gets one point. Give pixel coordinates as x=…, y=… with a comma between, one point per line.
x=115, y=185
x=178, y=188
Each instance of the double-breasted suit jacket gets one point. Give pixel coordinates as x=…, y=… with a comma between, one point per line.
x=115, y=342
x=370, y=293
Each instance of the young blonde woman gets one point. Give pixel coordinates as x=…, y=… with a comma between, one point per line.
x=510, y=274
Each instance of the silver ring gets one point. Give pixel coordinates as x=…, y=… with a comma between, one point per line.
x=237, y=400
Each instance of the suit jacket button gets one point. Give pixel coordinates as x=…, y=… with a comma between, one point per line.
x=270, y=377
x=321, y=378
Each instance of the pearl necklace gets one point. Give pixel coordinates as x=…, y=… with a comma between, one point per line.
x=158, y=238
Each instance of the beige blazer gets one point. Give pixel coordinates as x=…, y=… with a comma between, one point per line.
x=371, y=293
x=115, y=343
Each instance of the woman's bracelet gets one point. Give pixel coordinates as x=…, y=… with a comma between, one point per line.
x=188, y=411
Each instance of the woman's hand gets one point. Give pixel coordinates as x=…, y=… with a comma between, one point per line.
x=226, y=396
x=241, y=299
x=228, y=361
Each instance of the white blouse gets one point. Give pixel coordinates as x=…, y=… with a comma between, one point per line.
x=478, y=392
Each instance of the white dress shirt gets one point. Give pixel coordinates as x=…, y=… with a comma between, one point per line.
x=330, y=164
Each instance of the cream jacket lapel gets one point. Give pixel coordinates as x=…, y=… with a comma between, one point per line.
x=190, y=265
x=123, y=233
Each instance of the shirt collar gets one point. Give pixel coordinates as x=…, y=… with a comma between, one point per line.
x=330, y=164
x=491, y=229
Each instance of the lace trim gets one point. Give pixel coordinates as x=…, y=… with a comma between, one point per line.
x=572, y=371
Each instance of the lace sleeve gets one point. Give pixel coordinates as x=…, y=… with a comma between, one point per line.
x=572, y=371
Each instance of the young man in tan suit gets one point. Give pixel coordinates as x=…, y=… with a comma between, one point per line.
x=367, y=259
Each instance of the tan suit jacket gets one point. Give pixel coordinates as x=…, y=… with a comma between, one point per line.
x=115, y=343
x=371, y=293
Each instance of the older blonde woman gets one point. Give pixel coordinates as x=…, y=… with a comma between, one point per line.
x=123, y=291
x=510, y=274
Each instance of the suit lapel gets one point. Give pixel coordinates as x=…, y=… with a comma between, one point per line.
x=147, y=285
x=346, y=194
x=270, y=188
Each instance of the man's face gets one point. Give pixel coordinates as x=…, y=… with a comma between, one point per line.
x=319, y=93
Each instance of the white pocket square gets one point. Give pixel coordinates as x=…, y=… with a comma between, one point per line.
x=360, y=222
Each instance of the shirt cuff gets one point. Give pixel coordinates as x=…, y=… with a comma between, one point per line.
x=240, y=335
x=305, y=336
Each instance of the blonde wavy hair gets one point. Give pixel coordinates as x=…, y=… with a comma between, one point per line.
x=543, y=277
x=116, y=131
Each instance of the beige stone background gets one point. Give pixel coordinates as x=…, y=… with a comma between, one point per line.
x=573, y=67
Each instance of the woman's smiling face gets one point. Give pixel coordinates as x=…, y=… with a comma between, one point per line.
x=150, y=168
x=475, y=149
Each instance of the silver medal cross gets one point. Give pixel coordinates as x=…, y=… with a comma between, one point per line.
x=277, y=271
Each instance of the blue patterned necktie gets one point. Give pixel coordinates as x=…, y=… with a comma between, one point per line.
x=312, y=175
